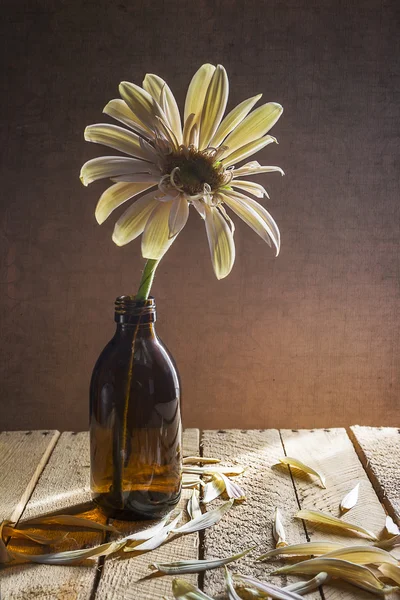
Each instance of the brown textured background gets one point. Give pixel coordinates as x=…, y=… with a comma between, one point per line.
x=306, y=340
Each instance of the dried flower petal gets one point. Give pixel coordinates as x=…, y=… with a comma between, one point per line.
x=350, y=500
x=155, y=541
x=363, y=555
x=297, y=464
x=316, y=516
x=303, y=587
x=196, y=566
x=69, y=520
x=391, y=527
x=278, y=530
x=207, y=519
x=193, y=505
x=356, y=574
x=194, y=470
x=183, y=590
x=70, y=556
x=230, y=588
x=306, y=549
x=391, y=572
x=213, y=489
x=268, y=588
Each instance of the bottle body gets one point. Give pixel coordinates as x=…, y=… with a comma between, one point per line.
x=135, y=422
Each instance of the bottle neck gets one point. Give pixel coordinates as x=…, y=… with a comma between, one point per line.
x=142, y=331
x=135, y=317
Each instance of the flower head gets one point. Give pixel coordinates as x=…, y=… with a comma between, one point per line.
x=171, y=167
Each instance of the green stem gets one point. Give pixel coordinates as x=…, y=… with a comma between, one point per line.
x=147, y=279
x=120, y=443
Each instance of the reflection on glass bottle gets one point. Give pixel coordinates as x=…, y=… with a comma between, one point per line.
x=135, y=421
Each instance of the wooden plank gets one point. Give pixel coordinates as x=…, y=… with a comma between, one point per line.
x=23, y=455
x=331, y=452
x=250, y=523
x=122, y=577
x=63, y=486
x=379, y=450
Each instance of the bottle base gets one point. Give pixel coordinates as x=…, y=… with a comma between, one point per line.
x=135, y=507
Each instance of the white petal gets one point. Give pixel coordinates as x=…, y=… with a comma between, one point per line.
x=132, y=223
x=254, y=168
x=250, y=186
x=214, y=106
x=119, y=138
x=254, y=126
x=161, y=92
x=247, y=150
x=156, y=238
x=141, y=104
x=220, y=239
x=179, y=215
x=187, y=129
x=197, y=91
x=233, y=119
x=111, y=166
x=116, y=195
x=137, y=177
x=255, y=215
x=119, y=110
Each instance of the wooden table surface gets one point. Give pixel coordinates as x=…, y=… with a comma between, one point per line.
x=45, y=471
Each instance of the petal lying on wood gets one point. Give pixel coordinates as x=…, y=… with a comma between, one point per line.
x=155, y=541
x=196, y=566
x=350, y=500
x=303, y=587
x=183, y=590
x=213, y=489
x=391, y=572
x=69, y=520
x=232, y=489
x=356, y=574
x=293, y=462
x=70, y=556
x=193, y=505
x=200, y=459
x=191, y=482
x=5, y=555
x=391, y=527
x=269, y=589
x=320, y=518
x=278, y=530
x=363, y=555
x=230, y=588
x=232, y=471
x=38, y=539
x=307, y=549
x=208, y=519
x=391, y=543
x=148, y=533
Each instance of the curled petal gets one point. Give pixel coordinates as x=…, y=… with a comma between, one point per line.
x=116, y=195
x=214, y=106
x=254, y=168
x=254, y=215
x=233, y=119
x=197, y=91
x=220, y=239
x=132, y=223
x=112, y=166
x=156, y=237
x=178, y=215
x=254, y=126
x=119, y=138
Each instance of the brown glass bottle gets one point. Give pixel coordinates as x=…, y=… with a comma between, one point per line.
x=135, y=421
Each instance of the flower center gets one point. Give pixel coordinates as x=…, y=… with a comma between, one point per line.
x=193, y=170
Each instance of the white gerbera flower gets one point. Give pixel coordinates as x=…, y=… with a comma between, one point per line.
x=181, y=166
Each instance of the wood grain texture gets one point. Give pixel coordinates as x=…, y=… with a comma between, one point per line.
x=309, y=339
x=64, y=484
x=379, y=451
x=250, y=523
x=331, y=452
x=23, y=456
x=123, y=578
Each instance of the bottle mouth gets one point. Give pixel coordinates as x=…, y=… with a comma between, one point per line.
x=130, y=310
